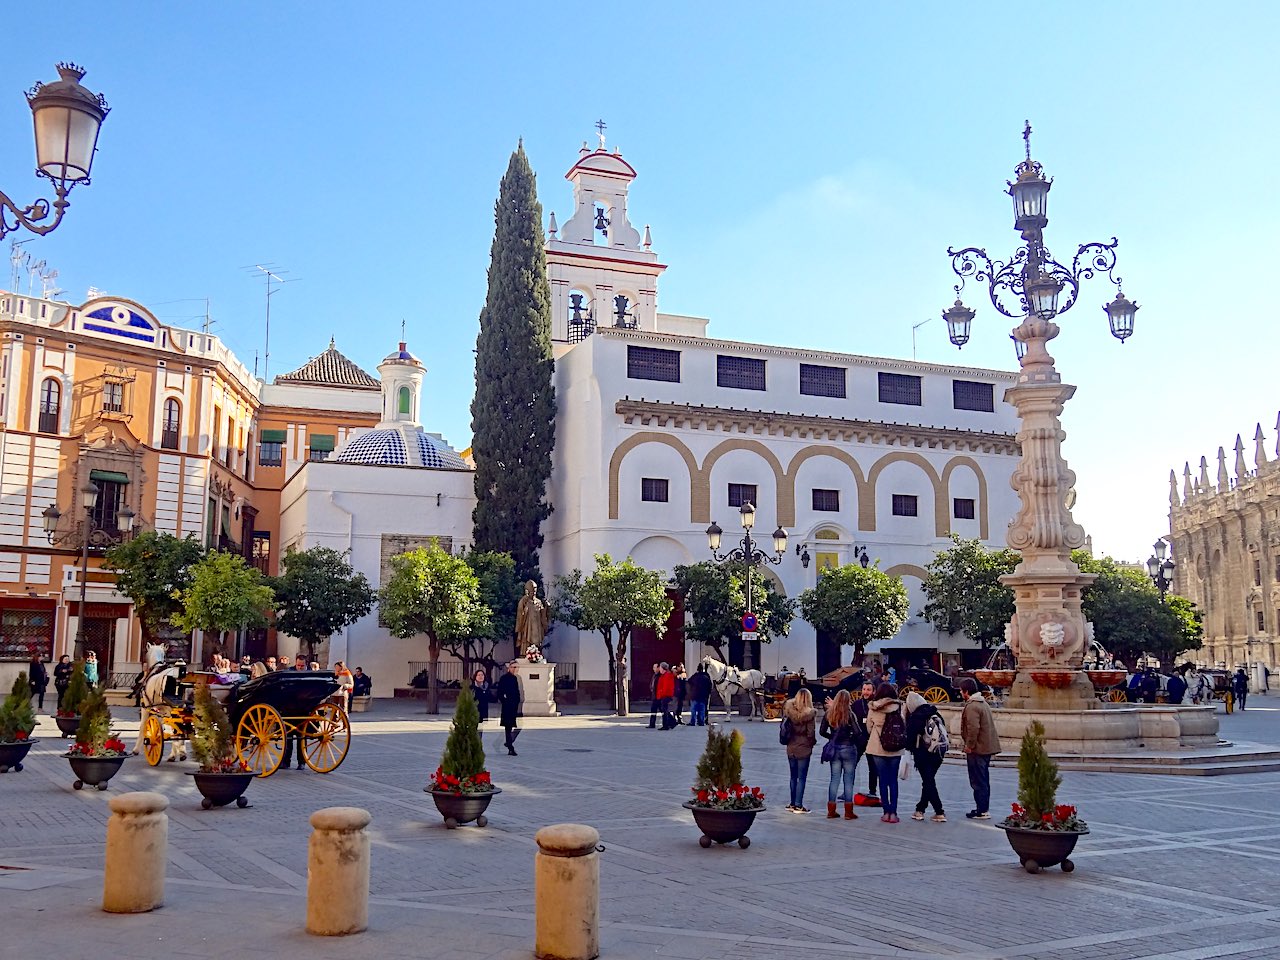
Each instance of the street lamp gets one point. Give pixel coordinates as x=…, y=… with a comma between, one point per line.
x=747, y=553
x=1160, y=567
x=1033, y=289
x=67, y=119
x=90, y=534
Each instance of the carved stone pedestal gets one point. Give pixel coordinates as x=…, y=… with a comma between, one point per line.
x=537, y=688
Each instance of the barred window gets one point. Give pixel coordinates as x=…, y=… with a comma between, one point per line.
x=652, y=363
x=113, y=397
x=819, y=381
x=740, y=373
x=826, y=500
x=740, y=493
x=970, y=395
x=962, y=508
x=899, y=388
x=653, y=489
x=905, y=505
x=1262, y=622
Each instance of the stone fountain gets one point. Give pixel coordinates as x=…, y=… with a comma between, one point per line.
x=1048, y=634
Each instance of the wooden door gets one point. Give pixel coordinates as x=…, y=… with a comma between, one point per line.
x=647, y=648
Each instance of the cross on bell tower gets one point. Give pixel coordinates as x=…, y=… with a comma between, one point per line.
x=600, y=126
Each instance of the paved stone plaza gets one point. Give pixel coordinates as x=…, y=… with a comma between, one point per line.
x=1178, y=868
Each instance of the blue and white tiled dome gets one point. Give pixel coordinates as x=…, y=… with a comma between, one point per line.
x=438, y=454
x=404, y=445
x=385, y=447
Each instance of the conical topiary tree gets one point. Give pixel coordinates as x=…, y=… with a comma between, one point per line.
x=720, y=766
x=464, y=751
x=211, y=741
x=77, y=691
x=95, y=722
x=17, y=719
x=1038, y=776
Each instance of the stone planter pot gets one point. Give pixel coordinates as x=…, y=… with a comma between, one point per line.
x=68, y=725
x=95, y=771
x=722, y=826
x=12, y=754
x=1039, y=849
x=459, y=808
x=219, y=789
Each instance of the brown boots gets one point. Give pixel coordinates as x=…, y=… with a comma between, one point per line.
x=848, y=811
x=831, y=811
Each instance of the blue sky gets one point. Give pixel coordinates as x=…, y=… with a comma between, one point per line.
x=803, y=167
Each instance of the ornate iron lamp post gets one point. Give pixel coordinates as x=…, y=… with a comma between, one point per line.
x=747, y=553
x=1048, y=633
x=1160, y=567
x=90, y=534
x=67, y=119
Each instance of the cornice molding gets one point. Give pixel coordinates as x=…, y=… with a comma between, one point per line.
x=760, y=422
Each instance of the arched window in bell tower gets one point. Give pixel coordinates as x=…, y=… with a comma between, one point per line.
x=404, y=401
x=582, y=321
x=600, y=236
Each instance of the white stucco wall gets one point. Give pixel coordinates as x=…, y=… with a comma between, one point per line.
x=349, y=507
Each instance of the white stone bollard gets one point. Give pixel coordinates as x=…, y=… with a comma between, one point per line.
x=137, y=852
x=566, y=891
x=338, y=872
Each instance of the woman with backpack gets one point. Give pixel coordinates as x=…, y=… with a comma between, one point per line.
x=927, y=740
x=800, y=720
x=887, y=736
x=844, y=735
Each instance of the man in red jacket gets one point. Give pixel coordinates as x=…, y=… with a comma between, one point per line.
x=664, y=691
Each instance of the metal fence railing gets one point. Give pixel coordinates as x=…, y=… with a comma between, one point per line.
x=451, y=675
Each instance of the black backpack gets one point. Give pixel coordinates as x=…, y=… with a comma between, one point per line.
x=784, y=731
x=893, y=735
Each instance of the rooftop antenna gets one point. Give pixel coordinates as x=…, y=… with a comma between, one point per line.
x=277, y=277
x=34, y=269
x=18, y=258
x=48, y=284
x=913, y=336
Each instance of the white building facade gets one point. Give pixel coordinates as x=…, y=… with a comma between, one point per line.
x=661, y=430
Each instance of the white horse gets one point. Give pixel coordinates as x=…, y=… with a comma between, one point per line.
x=155, y=677
x=729, y=680
x=1199, y=687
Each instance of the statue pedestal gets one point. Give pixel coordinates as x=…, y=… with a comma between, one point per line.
x=537, y=688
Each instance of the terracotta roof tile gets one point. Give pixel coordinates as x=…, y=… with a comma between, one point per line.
x=331, y=369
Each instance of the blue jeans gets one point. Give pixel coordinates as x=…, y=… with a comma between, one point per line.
x=799, y=774
x=979, y=765
x=887, y=773
x=698, y=713
x=842, y=768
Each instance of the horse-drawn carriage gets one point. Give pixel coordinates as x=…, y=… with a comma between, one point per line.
x=263, y=713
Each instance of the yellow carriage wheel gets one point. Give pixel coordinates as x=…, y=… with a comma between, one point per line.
x=1117, y=696
x=260, y=739
x=326, y=737
x=937, y=695
x=153, y=739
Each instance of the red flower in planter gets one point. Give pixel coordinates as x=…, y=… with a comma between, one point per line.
x=704, y=796
x=20, y=735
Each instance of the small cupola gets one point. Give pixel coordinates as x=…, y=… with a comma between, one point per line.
x=402, y=374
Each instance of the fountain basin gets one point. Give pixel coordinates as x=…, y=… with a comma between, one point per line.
x=1116, y=728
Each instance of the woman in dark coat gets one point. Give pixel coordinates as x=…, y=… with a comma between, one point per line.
x=62, y=677
x=480, y=689
x=39, y=678
x=507, y=690
x=927, y=763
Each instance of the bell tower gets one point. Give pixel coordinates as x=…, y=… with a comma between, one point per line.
x=603, y=272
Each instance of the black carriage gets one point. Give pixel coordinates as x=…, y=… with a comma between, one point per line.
x=263, y=712
x=289, y=703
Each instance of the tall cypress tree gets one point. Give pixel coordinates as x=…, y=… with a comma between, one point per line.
x=513, y=413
